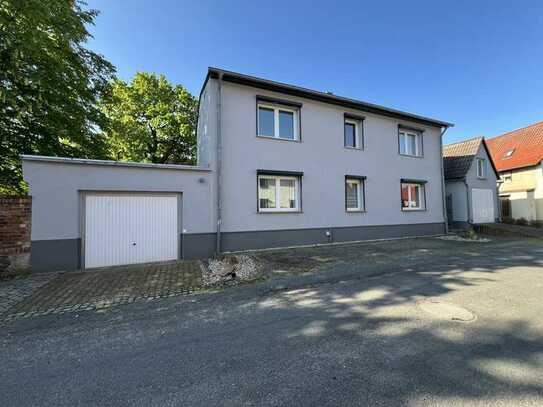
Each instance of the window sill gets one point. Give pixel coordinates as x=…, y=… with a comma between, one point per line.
x=411, y=156
x=278, y=212
x=278, y=139
x=413, y=209
x=356, y=211
x=354, y=148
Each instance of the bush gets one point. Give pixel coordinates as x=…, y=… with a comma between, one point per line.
x=521, y=222
x=537, y=223
x=508, y=220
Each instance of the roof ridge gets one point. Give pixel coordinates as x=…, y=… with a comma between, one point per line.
x=464, y=141
x=515, y=130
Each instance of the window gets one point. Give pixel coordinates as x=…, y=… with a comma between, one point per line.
x=507, y=178
x=277, y=122
x=354, y=194
x=352, y=133
x=278, y=193
x=509, y=153
x=410, y=143
x=412, y=196
x=481, y=168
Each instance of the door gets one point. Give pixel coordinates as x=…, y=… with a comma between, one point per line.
x=482, y=201
x=449, y=205
x=130, y=228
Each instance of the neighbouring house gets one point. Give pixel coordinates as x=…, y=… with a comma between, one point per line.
x=278, y=165
x=470, y=183
x=518, y=156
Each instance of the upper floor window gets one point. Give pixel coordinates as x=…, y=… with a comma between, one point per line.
x=278, y=193
x=507, y=178
x=354, y=194
x=353, y=132
x=481, y=168
x=277, y=121
x=410, y=142
x=413, y=195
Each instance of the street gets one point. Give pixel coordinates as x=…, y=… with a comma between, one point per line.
x=354, y=342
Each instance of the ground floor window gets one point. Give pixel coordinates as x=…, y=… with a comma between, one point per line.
x=278, y=193
x=354, y=194
x=412, y=195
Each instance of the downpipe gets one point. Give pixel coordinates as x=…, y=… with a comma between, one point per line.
x=219, y=165
x=443, y=194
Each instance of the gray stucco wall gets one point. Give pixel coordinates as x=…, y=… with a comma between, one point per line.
x=458, y=191
x=489, y=182
x=322, y=158
x=56, y=210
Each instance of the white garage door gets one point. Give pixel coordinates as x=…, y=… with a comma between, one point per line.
x=482, y=201
x=129, y=229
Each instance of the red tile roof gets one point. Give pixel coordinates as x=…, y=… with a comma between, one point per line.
x=526, y=144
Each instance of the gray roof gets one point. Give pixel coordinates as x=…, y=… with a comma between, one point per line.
x=266, y=84
x=457, y=157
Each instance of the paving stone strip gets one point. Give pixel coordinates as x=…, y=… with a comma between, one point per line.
x=15, y=290
x=102, y=289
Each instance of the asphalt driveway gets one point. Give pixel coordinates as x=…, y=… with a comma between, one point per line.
x=358, y=340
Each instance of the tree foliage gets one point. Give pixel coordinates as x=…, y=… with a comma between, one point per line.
x=49, y=84
x=151, y=120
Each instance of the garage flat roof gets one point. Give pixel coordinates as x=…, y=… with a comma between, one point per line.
x=110, y=163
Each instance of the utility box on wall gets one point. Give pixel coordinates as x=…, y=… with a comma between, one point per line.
x=15, y=221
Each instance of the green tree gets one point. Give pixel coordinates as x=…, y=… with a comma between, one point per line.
x=49, y=84
x=151, y=120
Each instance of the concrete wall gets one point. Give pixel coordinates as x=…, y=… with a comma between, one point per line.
x=489, y=182
x=56, y=188
x=525, y=192
x=321, y=156
x=459, y=193
x=538, y=193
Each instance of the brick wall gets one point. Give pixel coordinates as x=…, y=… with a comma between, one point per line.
x=15, y=220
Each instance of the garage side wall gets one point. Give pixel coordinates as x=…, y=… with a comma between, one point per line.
x=57, y=188
x=458, y=191
x=488, y=182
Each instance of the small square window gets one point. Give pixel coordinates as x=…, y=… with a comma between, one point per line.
x=354, y=194
x=277, y=122
x=410, y=143
x=412, y=196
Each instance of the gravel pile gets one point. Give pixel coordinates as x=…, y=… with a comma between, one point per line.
x=231, y=268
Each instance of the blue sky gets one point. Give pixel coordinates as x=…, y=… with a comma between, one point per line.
x=478, y=64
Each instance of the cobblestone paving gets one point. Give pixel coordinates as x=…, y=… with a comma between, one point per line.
x=14, y=291
x=94, y=290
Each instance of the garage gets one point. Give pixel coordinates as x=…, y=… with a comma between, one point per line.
x=130, y=228
x=482, y=201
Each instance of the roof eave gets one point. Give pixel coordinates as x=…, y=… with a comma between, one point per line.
x=292, y=90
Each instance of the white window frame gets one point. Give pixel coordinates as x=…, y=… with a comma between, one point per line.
x=508, y=178
x=421, y=194
x=403, y=136
x=481, y=168
x=360, y=194
x=357, y=134
x=276, y=109
x=278, y=179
